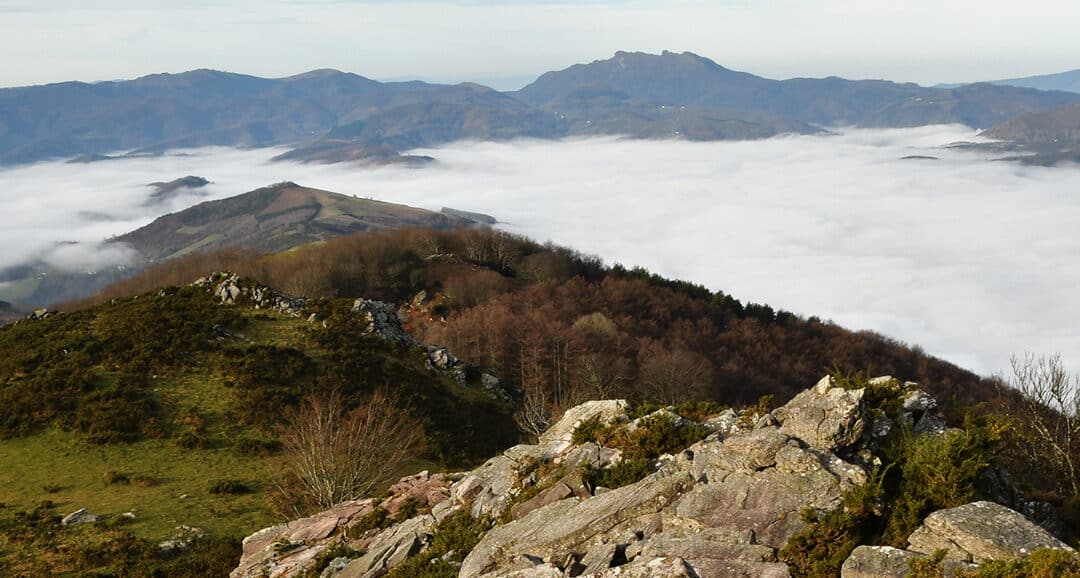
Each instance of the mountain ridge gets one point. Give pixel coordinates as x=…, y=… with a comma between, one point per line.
x=635, y=94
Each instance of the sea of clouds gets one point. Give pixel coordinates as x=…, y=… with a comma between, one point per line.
x=971, y=259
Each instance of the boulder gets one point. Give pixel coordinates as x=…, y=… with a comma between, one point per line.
x=284, y=549
x=979, y=532
x=878, y=562
x=919, y=402
x=826, y=417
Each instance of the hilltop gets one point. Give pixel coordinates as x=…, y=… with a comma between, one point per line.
x=273, y=219
x=267, y=220
x=170, y=385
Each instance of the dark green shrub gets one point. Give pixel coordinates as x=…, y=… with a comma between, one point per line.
x=376, y=519
x=622, y=473
x=458, y=533
x=821, y=549
x=113, y=477
x=257, y=447
x=230, y=487
x=589, y=430
x=935, y=472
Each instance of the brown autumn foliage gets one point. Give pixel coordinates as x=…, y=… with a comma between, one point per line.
x=564, y=328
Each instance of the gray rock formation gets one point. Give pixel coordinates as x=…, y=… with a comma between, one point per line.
x=230, y=289
x=725, y=506
x=979, y=532
x=826, y=417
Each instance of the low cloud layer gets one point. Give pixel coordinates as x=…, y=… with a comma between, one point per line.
x=972, y=260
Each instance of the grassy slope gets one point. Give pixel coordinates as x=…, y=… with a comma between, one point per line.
x=58, y=464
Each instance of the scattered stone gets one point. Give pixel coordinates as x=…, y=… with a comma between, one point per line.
x=183, y=537
x=80, y=516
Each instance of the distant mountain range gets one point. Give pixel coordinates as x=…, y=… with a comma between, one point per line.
x=332, y=116
x=1066, y=81
x=266, y=220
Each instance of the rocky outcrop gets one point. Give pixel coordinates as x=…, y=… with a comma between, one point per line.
x=724, y=506
x=381, y=319
x=969, y=535
x=230, y=289
x=289, y=549
x=825, y=417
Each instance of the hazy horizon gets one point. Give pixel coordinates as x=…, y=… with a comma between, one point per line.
x=505, y=43
x=970, y=259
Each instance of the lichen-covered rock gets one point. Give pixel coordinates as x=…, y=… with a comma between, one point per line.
x=656, y=568
x=878, y=562
x=826, y=417
x=979, y=532
x=560, y=436
x=491, y=487
x=571, y=525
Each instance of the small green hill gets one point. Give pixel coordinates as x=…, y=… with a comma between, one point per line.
x=152, y=404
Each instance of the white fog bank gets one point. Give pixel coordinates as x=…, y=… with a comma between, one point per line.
x=972, y=260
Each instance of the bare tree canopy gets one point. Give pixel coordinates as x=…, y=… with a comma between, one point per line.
x=1048, y=415
x=334, y=454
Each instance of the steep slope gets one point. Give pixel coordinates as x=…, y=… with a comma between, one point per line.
x=693, y=81
x=273, y=219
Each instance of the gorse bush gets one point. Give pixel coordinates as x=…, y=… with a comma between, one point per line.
x=921, y=474
x=654, y=436
x=451, y=542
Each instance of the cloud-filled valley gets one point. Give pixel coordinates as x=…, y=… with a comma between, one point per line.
x=973, y=260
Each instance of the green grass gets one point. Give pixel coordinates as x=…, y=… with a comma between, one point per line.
x=78, y=469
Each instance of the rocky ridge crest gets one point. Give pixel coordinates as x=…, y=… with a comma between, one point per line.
x=724, y=506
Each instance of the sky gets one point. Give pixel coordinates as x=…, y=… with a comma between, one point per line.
x=507, y=43
x=970, y=259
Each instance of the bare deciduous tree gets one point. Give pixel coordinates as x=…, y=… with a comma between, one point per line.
x=333, y=455
x=1048, y=415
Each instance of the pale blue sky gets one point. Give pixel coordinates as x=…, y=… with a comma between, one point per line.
x=507, y=43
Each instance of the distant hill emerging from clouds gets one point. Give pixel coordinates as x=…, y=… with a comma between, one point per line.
x=267, y=220
x=1066, y=81
x=333, y=116
x=273, y=219
x=1042, y=138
